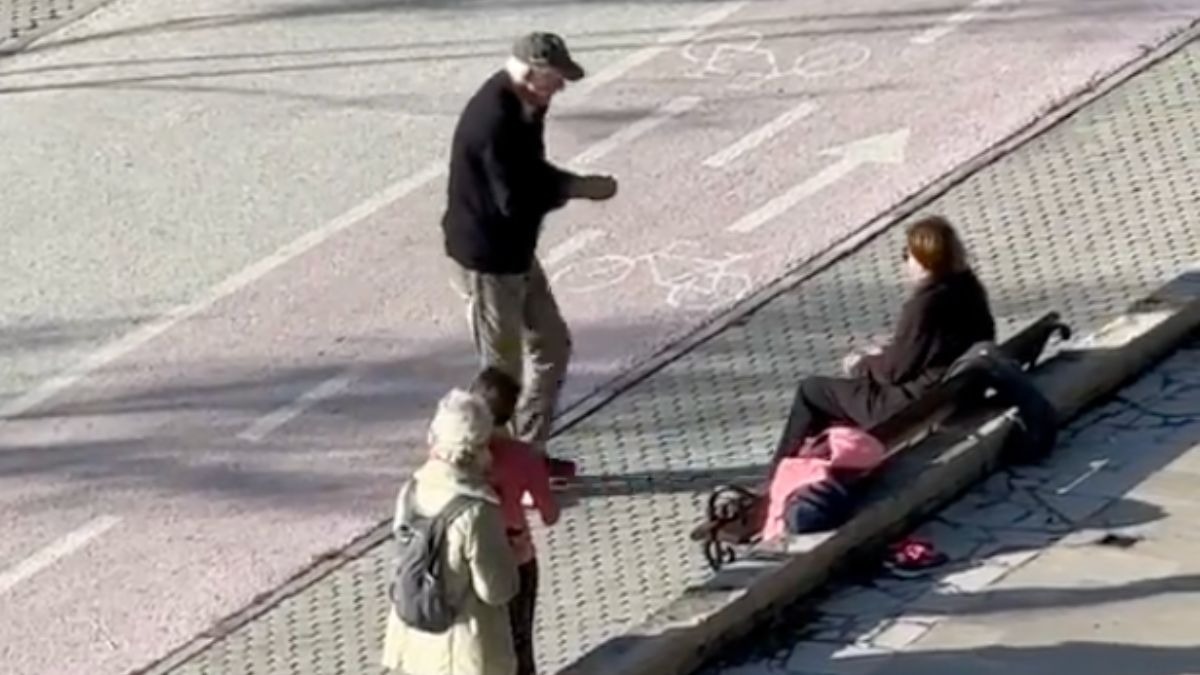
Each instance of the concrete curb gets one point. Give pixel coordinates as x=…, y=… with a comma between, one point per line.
x=679, y=638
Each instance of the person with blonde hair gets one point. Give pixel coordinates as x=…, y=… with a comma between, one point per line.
x=480, y=570
x=945, y=314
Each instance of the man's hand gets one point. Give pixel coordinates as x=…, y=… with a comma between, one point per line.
x=597, y=188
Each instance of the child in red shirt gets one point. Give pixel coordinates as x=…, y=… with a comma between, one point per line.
x=517, y=469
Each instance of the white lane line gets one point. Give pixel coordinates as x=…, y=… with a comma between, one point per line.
x=689, y=31
x=306, y=242
x=140, y=336
x=632, y=132
x=55, y=551
x=284, y=414
x=954, y=21
x=570, y=246
x=879, y=149
x=761, y=135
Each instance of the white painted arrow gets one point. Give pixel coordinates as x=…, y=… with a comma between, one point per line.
x=882, y=149
x=952, y=22
x=1094, y=467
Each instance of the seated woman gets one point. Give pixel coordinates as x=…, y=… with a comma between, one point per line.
x=946, y=314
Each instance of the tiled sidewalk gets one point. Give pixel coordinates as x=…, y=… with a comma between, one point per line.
x=1097, y=211
x=23, y=21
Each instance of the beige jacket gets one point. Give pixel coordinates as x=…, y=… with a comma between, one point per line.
x=480, y=567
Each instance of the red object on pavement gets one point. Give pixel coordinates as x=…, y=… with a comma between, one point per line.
x=912, y=556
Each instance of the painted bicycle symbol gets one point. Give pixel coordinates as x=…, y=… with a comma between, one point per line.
x=692, y=281
x=742, y=55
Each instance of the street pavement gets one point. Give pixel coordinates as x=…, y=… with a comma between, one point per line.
x=1098, y=210
x=224, y=314
x=1087, y=563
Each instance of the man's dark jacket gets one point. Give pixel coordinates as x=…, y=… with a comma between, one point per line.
x=500, y=186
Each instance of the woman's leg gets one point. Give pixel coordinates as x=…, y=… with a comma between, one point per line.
x=823, y=401
x=814, y=407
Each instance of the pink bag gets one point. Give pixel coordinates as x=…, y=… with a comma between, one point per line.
x=845, y=448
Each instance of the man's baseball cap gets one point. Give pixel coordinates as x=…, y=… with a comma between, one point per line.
x=547, y=50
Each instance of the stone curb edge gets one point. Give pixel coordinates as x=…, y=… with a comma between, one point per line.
x=576, y=412
x=678, y=638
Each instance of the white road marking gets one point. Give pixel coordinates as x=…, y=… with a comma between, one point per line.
x=139, y=336
x=55, y=551
x=761, y=135
x=882, y=149
x=1094, y=467
x=570, y=246
x=268, y=423
x=632, y=132
x=952, y=22
x=688, y=32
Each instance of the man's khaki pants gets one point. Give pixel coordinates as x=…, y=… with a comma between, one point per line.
x=516, y=327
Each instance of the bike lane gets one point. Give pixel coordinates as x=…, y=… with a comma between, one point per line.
x=805, y=123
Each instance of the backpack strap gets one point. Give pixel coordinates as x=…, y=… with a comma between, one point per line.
x=436, y=525
x=452, y=510
x=442, y=519
x=441, y=522
x=410, y=489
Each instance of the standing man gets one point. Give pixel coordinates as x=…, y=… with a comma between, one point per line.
x=500, y=188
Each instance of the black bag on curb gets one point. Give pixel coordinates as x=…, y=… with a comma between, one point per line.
x=1036, y=428
x=418, y=589
x=818, y=507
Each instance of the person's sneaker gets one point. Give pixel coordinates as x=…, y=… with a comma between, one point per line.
x=913, y=557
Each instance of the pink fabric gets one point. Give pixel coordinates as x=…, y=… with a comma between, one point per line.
x=839, y=447
x=518, y=469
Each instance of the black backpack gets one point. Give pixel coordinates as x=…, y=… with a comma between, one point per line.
x=418, y=589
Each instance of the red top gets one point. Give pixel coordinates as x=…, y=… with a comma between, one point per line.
x=518, y=469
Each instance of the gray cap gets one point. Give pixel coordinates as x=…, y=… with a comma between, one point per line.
x=548, y=50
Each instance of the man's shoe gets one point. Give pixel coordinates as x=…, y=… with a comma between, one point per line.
x=562, y=471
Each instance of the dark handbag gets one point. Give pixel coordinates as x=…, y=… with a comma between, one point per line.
x=735, y=516
x=818, y=507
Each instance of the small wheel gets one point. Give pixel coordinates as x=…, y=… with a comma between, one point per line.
x=723, y=288
x=594, y=274
x=833, y=59
x=718, y=554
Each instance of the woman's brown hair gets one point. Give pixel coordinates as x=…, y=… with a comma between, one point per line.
x=934, y=243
